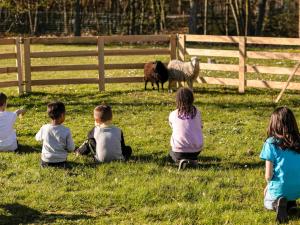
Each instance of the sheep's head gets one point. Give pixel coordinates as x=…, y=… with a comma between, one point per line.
x=194, y=61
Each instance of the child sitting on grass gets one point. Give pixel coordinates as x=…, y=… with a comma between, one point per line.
x=186, y=124
x=56, y=138
x=8, y=137
x=105, y=141
x=281, y=151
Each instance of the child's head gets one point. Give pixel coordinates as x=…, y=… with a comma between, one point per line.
x=3, y=99
x=102, y=114
x=56, y=111
x=283, y=126
x=184, y=103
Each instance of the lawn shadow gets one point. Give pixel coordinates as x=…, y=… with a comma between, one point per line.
x=21, y=214
x=295, y=215
x=24, y=149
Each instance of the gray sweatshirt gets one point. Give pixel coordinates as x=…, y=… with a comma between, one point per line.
x=108, y=143
x=57, y=141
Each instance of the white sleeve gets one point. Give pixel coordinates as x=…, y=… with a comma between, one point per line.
x=70, y=142
x=39, y=135
x=170, y=119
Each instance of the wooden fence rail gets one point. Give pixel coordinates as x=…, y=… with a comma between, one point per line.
x=242, y=68
x=17, y=55
x=177, y=49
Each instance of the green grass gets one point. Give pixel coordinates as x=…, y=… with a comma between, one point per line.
x=227, y=188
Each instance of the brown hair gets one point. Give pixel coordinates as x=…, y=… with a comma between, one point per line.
x=184, y=103
x=55, y=110
x=104, y=112
x=284, y=128
x=3, y=99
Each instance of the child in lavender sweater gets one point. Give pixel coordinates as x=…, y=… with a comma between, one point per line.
x=186, y=124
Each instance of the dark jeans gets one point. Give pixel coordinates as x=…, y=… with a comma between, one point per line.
x=57, y=165
x=177, y=156
x=89, y=146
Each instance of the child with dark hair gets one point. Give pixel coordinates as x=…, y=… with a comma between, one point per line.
x=186, y=124
x=281, y=151
x=57, y=139
x=105, y=141
x=8, y=137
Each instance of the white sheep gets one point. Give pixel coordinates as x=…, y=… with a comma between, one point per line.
x=183, y=71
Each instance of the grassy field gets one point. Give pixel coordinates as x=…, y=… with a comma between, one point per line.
x=227, y=188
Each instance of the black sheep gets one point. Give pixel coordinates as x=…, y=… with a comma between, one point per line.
x=155, y=72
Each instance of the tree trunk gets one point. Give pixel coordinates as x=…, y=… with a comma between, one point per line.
x=142, y=16
x=77, y=28
x=193, y=17
x=179, y=4
x=235, y=17
x=205, y=17
x=162, y=15
x=261, y=16
x=227, y=18
x=30, y=17
x=65, y=18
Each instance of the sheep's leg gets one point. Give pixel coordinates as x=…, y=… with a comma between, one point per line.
x=190, y=84
x=170, y=86
x=152, y=86
x=162, y=86
x=157, y=84
x=146, y=85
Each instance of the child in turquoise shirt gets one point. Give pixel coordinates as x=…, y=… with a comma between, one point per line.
x=281, y=151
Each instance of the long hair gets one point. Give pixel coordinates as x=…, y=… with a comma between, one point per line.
x=284, y=128
x=184, y=103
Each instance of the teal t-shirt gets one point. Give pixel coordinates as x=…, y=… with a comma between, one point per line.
x=286, y=170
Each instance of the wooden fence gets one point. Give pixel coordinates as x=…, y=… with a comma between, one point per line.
x=242, y=54
x=177, y=49
x=17, y=55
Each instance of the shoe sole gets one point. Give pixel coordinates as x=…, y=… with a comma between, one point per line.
x=281, y=210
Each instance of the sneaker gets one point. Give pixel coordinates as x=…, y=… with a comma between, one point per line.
x=182, y=164
x=281, y=210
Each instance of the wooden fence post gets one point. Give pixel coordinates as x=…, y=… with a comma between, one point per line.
x=242, y=64
x=19, y=65
x=181, y=47
x=27, y=64
x=101, y=71
x=173, y=47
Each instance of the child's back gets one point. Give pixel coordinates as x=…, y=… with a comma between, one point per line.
x=8, y=137
x=57, y=141
x=108, y=143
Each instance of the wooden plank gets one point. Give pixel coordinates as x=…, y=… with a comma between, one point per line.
x=212, y=52
x=212, y=38
x=218, y=81
x=8, y=56
x=270, y=70
x=273, y=41
x=242, y=64
x=125, y=52
x=181, y=46
x=27, y=64
x=273, y=55
x=64, y=40
x=101, y=71
x=219, y=67
x=173, y=47
x=64, y=68
x=124, y=79
x=63, y=54
x=19, y=65
x=124, y=66
x=7, y=41
x=65, y=81
x=136, y=38
x=272, y=84
x=8, y=70
x=8, y=84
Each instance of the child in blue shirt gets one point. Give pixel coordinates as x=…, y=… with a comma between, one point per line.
x=281, y=152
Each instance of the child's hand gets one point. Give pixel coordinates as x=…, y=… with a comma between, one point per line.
x=265, y=190
x=20, y=112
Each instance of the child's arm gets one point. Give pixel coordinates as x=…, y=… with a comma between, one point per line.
x=70, y=143
x=20, y=112
x=269, y=171
x=39, y=136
